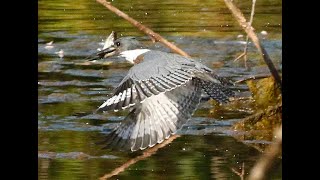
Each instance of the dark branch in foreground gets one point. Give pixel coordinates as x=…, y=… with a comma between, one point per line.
x=154, y=36
x=249, y=30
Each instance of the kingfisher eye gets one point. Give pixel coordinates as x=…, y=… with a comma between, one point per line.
x=118, y=44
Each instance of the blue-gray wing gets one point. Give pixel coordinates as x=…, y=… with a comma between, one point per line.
x=156, y=119
x=159, y=72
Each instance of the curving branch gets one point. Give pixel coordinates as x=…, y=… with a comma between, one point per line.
x=154, y=36
x=261, y=168
x=249, y=30
x=145, y=154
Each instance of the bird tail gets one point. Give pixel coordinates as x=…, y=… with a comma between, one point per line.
x=156, y=119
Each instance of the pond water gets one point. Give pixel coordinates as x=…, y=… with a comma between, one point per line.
x=70, y=89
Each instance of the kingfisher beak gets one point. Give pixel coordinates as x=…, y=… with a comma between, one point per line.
x=105, y=53
x=108, y=50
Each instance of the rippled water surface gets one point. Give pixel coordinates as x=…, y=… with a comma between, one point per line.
x=70, y=88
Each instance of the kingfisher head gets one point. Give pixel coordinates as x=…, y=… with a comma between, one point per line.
x=128, y=47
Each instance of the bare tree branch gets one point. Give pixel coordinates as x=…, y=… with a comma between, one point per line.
x=154, y=36
x=261, y=168
x=244, y=54
x=249, y=30
x=240, y=174
x=252, y=78
x=252, y=119
x=146, y=153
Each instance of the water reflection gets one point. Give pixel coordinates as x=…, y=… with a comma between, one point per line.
x=191, y=157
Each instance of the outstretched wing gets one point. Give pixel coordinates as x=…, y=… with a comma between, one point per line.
x=157, y=73
x=156, y=119
x=154, y=75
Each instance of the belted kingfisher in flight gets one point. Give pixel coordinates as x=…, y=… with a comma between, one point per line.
x=162, y=91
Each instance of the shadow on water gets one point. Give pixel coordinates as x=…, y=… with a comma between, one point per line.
x=70, y=89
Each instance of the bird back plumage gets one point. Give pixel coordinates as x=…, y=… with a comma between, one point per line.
x=162, y=91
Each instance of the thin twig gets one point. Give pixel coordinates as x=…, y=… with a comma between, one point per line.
x=249, y=30
x=154, y=36
x=247, y=37
x=252, y=119
x=240, y=174
x=146, y=153
x=264, y=164
x=252, y=78
x=243, y=54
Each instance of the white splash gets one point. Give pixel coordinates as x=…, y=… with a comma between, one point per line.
x=60, y=53
x=131, y=55
x=49, y=45
x=240, y=36
x=264, y=33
